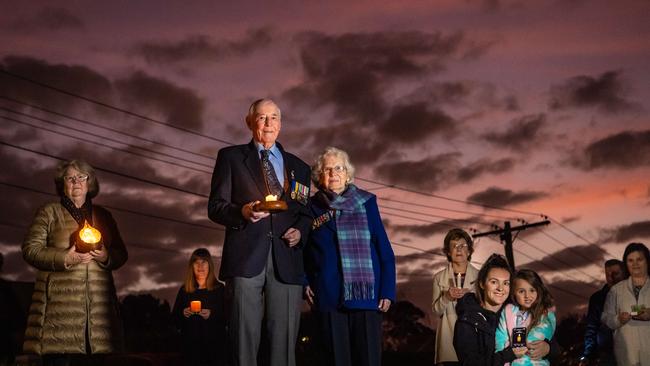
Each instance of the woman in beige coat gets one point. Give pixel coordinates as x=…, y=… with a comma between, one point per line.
x=449, y=285
x=74, y=310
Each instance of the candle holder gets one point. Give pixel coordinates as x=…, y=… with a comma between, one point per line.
x=195, y=306
x=87, y=238
x=271, y=205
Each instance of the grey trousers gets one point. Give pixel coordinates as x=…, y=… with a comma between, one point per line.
x=255, y=297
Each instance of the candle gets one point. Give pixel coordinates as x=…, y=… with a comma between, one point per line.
x=195, y=306
x=271, y=197
x=459, y=280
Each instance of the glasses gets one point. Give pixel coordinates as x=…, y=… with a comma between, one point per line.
x=460, y=246
x=338, y=169
x=76, y=178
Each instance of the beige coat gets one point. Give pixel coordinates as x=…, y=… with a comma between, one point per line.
x=632, y=339
x=70, y=304
x=445, y=310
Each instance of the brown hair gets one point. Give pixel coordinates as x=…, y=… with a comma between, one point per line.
x=544, y=299
x=494, y=261
x=190, y=281
x=455, y=234
x=81, y=166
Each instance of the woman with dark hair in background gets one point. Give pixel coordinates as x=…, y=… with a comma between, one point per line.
x=199, y=313
x=474, y=333
x=74, y=310
x=627, y=309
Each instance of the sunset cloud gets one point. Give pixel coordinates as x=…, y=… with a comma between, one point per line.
x=607, y=92
x=48, y=19
x=523, y=134
x=624, y=234
x=202, y=47
x=623, y=150
x=498, y=197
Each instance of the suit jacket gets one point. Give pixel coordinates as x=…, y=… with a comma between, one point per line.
x=323, y=262
x=238, y=180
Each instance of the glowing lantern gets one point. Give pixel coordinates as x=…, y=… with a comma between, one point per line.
x=195, y=306
x=88, y=239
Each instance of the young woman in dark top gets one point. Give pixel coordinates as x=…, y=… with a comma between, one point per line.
x=202, y=326
x=478, y=317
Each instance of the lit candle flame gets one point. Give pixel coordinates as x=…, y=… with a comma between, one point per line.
x=195, y=306
x=89, y=234
x=271, y=197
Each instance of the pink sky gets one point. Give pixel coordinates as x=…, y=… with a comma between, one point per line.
x=538, y=106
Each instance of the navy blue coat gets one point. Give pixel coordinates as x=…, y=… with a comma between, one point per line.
x=238, y=180
x=323, y=265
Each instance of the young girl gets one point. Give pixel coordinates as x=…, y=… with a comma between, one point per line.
x=530, y=318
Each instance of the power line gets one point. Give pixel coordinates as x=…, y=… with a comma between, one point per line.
x=134, y=114
x=84, y=121
x=558, y=259
x=217, y=228
x=547, y=266
x=101, y=144
x=108, y=171
x=438, y=216
x=448, y=198
x=102, y=137
x=106, y=105
x=446, y=209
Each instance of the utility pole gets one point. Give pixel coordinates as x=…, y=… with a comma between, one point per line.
x=505, y=235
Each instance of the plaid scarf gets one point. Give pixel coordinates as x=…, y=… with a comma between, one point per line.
x=354, y=241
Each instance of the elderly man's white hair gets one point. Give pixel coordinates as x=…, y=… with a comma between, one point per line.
x=257, y=103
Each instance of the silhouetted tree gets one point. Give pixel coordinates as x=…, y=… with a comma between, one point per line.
x=148, y=325
x=570, y=333
x=406, y=339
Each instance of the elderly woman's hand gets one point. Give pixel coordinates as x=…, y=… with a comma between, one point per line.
x=72, y=257
x=100, y=255
x=384, y=305
x=309, y=295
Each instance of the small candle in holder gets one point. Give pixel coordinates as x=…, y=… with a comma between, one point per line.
x=195, y=306
x=270, y=198
x=459, y=280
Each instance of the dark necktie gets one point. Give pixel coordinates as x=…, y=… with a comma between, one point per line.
x=272, y=181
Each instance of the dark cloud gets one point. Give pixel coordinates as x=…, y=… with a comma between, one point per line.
x=522, y=135
x=48, y=19
x=203, y=47
x=351, y=71
x=76, y=79
x=627, y=233
x=483, y=166
x=497, y=197
x=606, y=92
x=426, y=230
x=415, y=122
x=575, y=256
x=624, y=150
x=180, y=106
x=568, y=220
x=428, y=174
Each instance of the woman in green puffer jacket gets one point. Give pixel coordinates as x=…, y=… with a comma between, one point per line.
x=74, y=310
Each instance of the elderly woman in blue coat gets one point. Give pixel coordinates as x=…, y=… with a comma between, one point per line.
x=349, y=263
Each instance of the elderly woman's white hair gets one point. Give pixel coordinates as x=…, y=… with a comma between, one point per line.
x=317, y=168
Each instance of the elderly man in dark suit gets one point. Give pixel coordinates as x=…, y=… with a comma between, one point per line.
x=262, y=252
